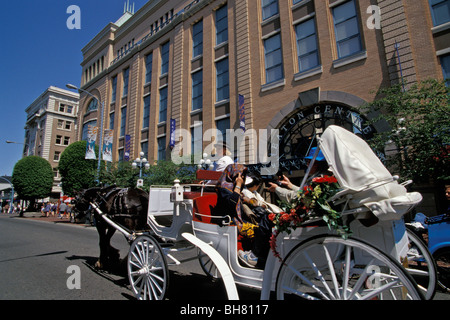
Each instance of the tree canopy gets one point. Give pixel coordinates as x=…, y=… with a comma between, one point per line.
x=76, y=172
x=32, y=178
x=418, y=144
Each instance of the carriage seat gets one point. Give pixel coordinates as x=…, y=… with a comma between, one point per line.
x=203, y=208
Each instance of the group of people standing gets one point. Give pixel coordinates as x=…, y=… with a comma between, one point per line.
x=51, y=209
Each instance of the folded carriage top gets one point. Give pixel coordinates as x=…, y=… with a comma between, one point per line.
x=361, y=173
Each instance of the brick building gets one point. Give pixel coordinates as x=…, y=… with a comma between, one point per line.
x=300, y=65
x=50, y=127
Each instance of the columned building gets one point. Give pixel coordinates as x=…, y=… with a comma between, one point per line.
x=299, y=65
x=50, y=127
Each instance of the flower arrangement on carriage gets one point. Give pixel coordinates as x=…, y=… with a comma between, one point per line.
x=311, y=203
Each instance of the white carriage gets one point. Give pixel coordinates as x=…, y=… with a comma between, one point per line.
x=317, y=264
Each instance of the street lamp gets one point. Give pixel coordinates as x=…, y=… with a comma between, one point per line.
x=205, y=163
x=140, y=162
x=73, y=87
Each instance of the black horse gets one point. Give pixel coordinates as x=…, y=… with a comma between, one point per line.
x=126, y=207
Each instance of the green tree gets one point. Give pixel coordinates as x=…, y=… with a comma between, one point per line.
x=76, y=172
x=162, y=173
x=32, y=178
x=417, y=146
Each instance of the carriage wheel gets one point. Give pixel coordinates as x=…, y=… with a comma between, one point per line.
x=208, y=266
x=442, y=258
x=147, y=269
x=331, y=268
x=421, y=265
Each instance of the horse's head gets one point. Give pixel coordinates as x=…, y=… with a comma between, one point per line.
x=83, y=199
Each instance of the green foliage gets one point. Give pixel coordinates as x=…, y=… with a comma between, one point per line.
x=163, y=173
x=76, y=172
x=32, y=178
x=417, y=146
x=120, y=174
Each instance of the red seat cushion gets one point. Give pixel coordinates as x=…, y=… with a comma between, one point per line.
x=203, y=205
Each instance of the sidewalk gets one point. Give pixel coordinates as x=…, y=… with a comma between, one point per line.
x=38, y=216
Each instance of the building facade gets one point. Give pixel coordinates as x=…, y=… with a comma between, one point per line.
x=298, y=66
x=50, y=127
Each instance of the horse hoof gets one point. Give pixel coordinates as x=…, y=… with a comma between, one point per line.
x=98, y=265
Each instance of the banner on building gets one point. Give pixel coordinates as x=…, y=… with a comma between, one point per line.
x=173, y=126
x=90, y=147
x=107, y=145
x=126, y=154
x=242, y=112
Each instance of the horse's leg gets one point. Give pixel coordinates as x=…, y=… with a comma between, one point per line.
x=113, y=253
x=103, y=243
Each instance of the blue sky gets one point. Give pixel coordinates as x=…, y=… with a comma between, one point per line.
x=38, y=51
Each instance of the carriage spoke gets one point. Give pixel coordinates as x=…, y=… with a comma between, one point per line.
x=319, y=275
x=332, y=271
x=361, y=280
x=299, y=293
x=312, y=285
x=377, y=291
x=346, y=271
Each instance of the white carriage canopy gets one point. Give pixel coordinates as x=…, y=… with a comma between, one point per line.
x=361, y=173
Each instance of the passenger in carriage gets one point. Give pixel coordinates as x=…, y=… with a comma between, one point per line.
x=289, y=191
x=223, y=151
x=255, y=206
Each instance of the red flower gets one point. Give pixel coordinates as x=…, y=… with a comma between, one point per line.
x=272, y=216
x=325, y=179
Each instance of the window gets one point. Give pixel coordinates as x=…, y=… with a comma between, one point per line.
x=163, y=104
x=307, y=49
x=144, y=148
x=197, y=39
x=445, y=63
x=196, y=138
x=148, y=68
x=69, y=109
x=440, y=11
x=126, y=74
x=297, y=1
x=111, y=120
x=197, y=90
x=58, y=139
x=162, y=148
x=346, y=28
x=93, y=105
x=223, y=125
x=66, y=141
x=56, y=156
x=113, y=89
x=222, y=80
x=123, y=121
x=68, y=125
x=92, y=123
x=165, y=58
x=146, y=116
x=60, y=124
x=222, y=25
x=269, y=8
x=273, y=58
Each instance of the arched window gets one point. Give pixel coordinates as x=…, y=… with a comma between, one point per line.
x=93, y=105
